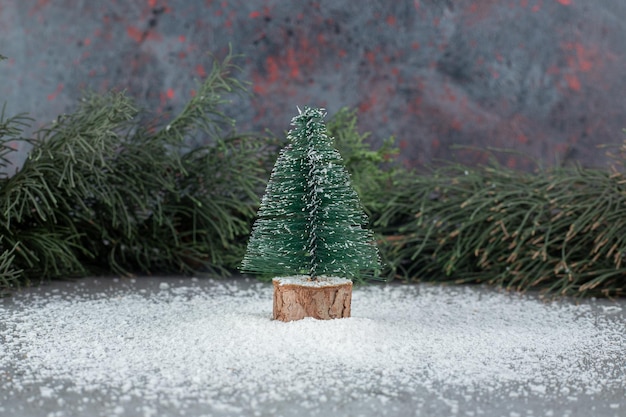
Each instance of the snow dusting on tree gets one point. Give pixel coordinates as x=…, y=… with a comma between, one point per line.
x=311, y=220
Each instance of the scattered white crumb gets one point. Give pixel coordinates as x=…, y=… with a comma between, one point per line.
x=611, y=309
x=46, y=392
x=216, y=347
x=306, y=281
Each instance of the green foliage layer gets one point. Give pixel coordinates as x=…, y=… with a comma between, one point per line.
x=561, y=231
x=101, y=192
x=311, y=221
x=104, y=192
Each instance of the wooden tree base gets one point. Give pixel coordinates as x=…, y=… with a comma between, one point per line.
x=298, y=297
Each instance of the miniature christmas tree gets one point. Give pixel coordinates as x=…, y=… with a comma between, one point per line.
x=311, y=221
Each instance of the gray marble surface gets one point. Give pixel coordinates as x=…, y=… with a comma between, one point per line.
x=171, y=346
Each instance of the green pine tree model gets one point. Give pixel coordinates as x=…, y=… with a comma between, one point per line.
x=311, y=221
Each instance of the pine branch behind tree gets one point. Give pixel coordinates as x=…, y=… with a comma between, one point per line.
x=100, y=192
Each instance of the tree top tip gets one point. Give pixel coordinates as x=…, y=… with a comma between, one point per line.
x=309, y=113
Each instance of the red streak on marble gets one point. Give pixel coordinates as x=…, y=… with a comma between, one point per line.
x=200, y=71
x=367, y=104
x=254, y=14
x=134, y=33
x=154, y=36
x=565, y=2
x=573, y=82
x=292, y=63
x=584, y=59
x=273, y=71
x=259, y=89
x=511, y=162
x=54, y=95
x=448, y=94
x=182, y=38
x=391, y=20
x=37, y=7
x=139, y=36
x=170, y=93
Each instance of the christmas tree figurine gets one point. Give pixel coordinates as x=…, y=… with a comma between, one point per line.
x=311, y=231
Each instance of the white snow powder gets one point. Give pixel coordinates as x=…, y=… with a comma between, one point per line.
x=214, y=344
x=306, y=281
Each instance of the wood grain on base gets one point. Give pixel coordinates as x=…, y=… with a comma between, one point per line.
x=294, y=301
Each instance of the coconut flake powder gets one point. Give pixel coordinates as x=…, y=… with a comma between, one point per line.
x=206, y=347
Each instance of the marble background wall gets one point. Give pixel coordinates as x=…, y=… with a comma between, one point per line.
x=543, y=77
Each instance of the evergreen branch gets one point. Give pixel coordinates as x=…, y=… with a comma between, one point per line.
x=372, y=171
x=560, y=231
x=101, y=192
x=9, y=275
x=10, y=134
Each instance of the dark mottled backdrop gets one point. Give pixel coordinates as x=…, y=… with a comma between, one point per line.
x=544, y=77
